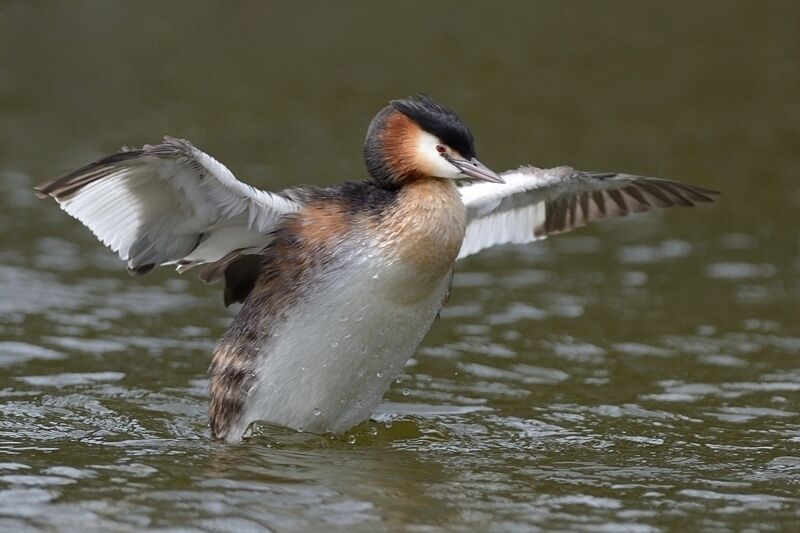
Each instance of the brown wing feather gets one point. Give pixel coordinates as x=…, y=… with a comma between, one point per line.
x=642, y=194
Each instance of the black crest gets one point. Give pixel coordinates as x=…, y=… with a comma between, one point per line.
x=439, y=120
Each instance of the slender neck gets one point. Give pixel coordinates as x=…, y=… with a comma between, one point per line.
x=426, y=226
x=388, y=153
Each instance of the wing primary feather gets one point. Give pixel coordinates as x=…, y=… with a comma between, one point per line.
x=535, y=203
x=67, y=185
x=695, y=193
x=154, y=205
x=571, y=219
x=585, y=209
x=661, y=195
x=678, y=194
x=600, y=200
x=633, y=204
x=618, y=199
x=634, y=191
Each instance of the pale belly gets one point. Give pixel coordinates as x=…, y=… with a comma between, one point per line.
x=327, y=365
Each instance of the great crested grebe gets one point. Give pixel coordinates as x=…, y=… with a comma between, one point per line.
x=339, y=285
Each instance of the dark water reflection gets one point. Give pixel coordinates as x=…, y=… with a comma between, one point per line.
x=640, y=375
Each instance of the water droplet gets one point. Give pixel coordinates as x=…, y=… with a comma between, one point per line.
x=334, y=344
x=379, y=374
x=406, y=392
x=351, y=439
x=388, y=425
x=344, y=319
x=398, y=380
x=317, y=412
x=373, y=431
x=375, y=276
x=347, y=336
x=299, y=430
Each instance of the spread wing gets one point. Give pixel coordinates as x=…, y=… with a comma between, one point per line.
x=535, y=203
x=169, y=203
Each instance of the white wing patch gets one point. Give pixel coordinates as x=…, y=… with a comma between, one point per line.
x=503, y=227
x=168, y=203
x=535, y=203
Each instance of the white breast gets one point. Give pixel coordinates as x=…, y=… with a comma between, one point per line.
x=327, y=366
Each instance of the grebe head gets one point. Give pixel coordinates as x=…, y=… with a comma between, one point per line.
x=420, y=138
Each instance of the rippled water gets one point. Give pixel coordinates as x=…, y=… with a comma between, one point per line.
x=638, y=375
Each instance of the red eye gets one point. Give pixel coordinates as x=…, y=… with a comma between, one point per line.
x=441, y=149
